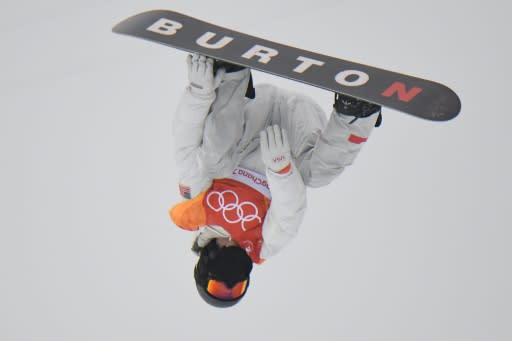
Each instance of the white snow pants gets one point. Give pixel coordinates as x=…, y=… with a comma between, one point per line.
x=321, y=148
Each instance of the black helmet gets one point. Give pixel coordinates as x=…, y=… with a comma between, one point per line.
x=222, y=274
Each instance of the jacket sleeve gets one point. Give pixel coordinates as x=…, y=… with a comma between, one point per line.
x=187, y=126
x=206, y=132
x=286, y=210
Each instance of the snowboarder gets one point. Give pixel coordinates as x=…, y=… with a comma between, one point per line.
x=245, y=156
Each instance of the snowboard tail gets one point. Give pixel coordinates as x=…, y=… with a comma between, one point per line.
x=412, y=95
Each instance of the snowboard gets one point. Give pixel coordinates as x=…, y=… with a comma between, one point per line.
x=408, y=94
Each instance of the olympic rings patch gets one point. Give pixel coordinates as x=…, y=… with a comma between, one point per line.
x=233, y=211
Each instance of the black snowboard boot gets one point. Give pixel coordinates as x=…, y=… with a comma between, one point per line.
x=351, y=106
x=251, y=92
x=227, y=66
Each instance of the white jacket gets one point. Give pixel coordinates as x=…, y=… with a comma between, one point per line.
x=214, y=134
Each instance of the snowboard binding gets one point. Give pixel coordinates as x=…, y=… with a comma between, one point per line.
x=351, y=106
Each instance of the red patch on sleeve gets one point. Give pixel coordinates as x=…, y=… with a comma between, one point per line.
x=357, y=139
x=286, y=169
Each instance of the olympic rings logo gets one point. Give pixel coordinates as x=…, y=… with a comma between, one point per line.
x=233, y=211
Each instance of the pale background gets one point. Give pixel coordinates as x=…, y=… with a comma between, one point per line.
x=411, y=243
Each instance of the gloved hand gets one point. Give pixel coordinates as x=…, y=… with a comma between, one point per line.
x=275, y=149
x=200, y=75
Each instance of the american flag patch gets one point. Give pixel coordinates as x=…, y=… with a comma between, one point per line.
x=357, y=139
x=185, y=191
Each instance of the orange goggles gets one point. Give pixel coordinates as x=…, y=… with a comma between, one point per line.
x=220, y=290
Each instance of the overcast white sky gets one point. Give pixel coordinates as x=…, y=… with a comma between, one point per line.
x=411, y=243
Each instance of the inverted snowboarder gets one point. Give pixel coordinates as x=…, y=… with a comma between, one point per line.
x=245, y=156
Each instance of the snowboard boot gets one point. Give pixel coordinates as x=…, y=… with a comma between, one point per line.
x=227, y=66
x=251, y=92
x=351, y=106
